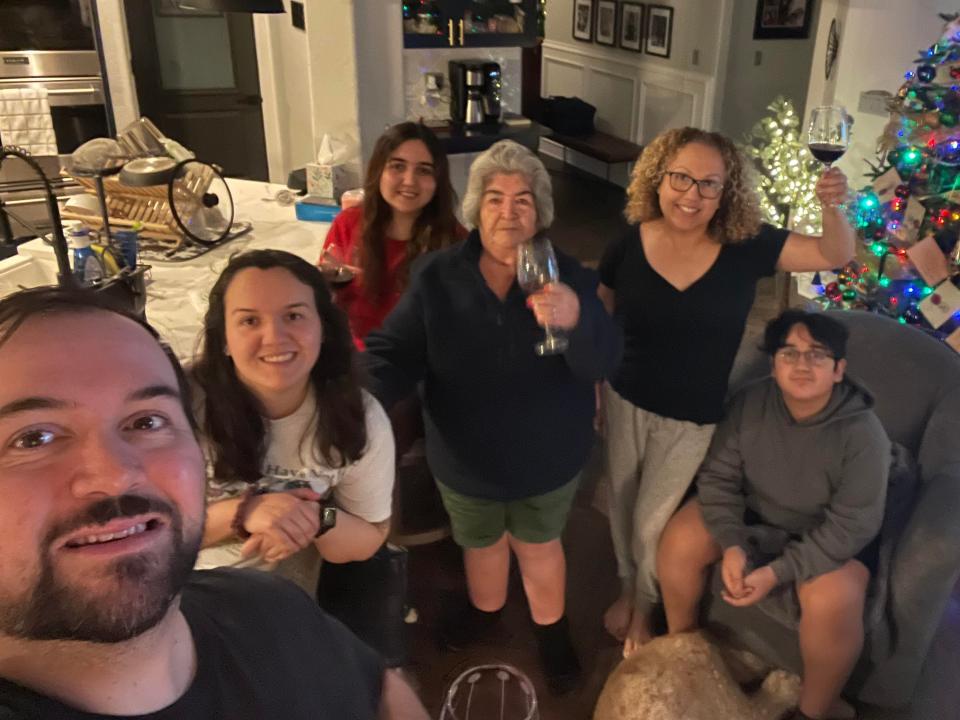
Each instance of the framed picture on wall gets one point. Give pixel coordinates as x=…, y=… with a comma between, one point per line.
x=659, y=30
x=583, y=20
x=782, y=19
x=631, y=26
x=606, y=22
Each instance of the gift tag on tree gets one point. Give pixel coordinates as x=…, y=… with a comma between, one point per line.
x=941, y=304
x=909, y=228
x=929, y=261
x=886, y=185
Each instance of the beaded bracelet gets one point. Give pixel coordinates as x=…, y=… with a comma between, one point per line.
x=241, y=515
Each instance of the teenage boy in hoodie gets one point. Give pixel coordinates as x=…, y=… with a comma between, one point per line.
x=803, y=452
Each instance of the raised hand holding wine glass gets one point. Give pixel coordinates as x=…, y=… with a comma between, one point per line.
x=555, y=305
x=828, y=136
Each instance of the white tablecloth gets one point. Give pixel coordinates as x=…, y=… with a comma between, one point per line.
x=177, y=292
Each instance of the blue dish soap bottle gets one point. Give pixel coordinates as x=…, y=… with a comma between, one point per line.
x=87, y=268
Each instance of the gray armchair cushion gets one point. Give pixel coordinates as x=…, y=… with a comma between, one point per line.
x=916, y=382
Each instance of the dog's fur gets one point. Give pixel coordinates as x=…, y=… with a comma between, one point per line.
x=690, y=676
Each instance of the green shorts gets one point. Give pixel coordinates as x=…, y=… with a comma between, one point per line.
x=478, y=523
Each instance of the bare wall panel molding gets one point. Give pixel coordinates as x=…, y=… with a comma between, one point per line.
x=562, y=77
x=615, y=87
x=615, y=92
x=662, y=107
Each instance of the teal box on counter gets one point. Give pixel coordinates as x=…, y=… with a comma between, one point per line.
x=312, y=211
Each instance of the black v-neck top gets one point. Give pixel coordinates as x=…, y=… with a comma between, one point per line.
x=679, y=346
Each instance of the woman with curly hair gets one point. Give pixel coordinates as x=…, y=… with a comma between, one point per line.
x=681, y=282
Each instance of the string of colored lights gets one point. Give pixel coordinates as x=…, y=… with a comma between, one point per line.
x=922, y=145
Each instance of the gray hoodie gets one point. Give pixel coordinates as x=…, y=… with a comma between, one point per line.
x=823, y=480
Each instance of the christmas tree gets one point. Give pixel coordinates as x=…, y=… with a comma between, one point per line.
x=788, y=172
x=908, y=218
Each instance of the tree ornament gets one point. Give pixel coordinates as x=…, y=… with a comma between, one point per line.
x=926, y=73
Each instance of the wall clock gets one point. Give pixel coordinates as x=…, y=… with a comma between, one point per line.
x=833, y=47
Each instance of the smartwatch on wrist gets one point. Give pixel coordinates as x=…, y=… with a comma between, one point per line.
x=328, y=517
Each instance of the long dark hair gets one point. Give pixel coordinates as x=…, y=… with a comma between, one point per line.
x=232, y=418
x=435, y=227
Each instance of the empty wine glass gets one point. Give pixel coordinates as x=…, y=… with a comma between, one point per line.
x=537, y=268
x=490, y=692
x=828, y=133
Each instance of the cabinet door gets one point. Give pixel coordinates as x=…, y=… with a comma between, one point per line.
x=490, y=23
x=431, y=23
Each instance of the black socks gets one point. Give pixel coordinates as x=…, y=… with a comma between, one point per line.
x=558, y=656
x=464, y=625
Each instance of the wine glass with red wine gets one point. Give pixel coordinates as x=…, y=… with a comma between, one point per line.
x=336, y=270
x=828, y=133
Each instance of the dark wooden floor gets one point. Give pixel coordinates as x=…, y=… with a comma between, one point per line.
x=588, y=215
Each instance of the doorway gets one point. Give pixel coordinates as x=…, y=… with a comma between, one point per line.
x=758, y=71
x=196, y=76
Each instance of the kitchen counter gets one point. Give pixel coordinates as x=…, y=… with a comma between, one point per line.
x=459, y=139
x=177, y=292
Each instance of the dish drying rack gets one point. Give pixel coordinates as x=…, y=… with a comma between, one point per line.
x=163, y=211
x=149, y=206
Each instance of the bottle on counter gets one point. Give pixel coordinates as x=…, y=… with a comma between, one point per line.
x=129, y=241
x=87, y=268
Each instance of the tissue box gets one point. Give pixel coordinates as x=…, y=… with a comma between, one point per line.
x=327, y=181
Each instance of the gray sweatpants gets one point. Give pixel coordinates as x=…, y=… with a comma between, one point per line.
x=650, y=463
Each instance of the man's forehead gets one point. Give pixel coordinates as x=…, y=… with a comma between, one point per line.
x=67, y=342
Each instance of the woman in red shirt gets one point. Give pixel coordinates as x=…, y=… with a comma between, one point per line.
x=407, y=210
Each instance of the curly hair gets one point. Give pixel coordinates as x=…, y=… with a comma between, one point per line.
x=738, y=213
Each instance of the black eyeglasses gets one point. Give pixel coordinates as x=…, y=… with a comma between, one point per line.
x=814, y=356
x=681, y=182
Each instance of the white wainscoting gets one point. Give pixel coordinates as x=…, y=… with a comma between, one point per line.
x=633, y=100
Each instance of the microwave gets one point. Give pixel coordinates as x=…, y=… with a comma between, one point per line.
x=47, y=25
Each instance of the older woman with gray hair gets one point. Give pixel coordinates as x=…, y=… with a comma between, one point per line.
x=507, y=430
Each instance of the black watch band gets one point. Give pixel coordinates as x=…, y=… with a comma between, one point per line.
x=328, y=517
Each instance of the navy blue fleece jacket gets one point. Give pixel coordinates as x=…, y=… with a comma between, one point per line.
x=501, y=422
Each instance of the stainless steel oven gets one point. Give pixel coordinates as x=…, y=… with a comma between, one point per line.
x=54, y=45
x=77, y=106
x=53, y=25
x=51, y=45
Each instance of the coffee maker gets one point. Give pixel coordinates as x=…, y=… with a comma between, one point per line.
x=475, y=92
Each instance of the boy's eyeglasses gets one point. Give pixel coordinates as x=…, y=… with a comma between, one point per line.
x=815, y=356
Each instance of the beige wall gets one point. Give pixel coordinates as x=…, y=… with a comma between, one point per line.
x=784, y=69
x=283, y=66
x=880, y=40
x=116, y=53
x=638, y=95
x=695, y=27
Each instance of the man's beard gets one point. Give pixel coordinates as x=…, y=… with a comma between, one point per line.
x=137, y=590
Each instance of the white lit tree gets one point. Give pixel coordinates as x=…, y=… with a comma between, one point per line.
x=788, y=172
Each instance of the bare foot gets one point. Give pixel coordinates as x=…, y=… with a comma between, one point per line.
x=840, y=710
x=638, y=633
x=617, y=617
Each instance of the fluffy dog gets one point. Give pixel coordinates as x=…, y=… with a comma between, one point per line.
x=691, y=677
